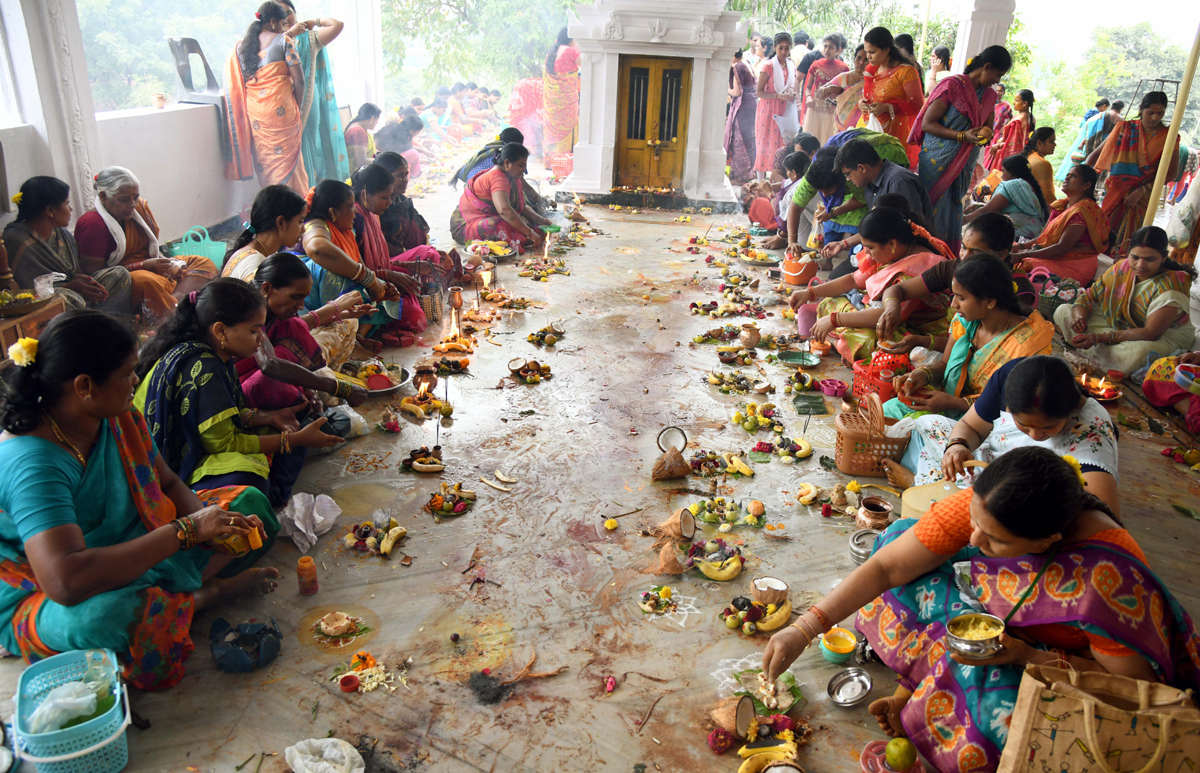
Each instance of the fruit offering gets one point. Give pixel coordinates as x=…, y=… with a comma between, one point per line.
x=753, y=417
x=547, y=336
x=450, y=500
x=735, y=383
x=706, y=464
x=374, y=538
x=534, y=373
x=540, y=270
x=717, y=335
x=750, y=617
x=452, y=366
x=657, y=600
x=727, y=512
x=423, y=460
x=716, y=559
x=789, y=451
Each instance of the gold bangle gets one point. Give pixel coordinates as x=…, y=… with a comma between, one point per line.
x=796, y=625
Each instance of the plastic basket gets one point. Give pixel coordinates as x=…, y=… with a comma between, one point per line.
x=861, y=444
x=196, y=242
x=867, y=378
x=561, y=164
x=96, y=746
x=1053, y=296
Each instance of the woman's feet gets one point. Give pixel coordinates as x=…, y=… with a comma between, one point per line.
x=775, y=242
x=219, y=591
x=887, y=712
x=370, y=344
x=897, y=475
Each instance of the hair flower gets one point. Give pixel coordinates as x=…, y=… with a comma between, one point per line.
x=1076, y=467
x=1015, y=288
x=24, y=352
x=17, y=198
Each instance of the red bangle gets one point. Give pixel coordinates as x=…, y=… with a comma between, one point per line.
x=833, y=318
x=821, y=616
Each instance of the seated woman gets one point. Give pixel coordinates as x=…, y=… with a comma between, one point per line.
x=121, y=231
x=38, y=243
x=360, y=143
x=334, y=260
x=1074, y=236
x=282, y=373
x=898, y=250
x=1028, y=520
x=1162, y=391
x=1019, y=196
x=773, y=214
x=101, y=544
x=1033, y=401
x=399, y=137
x=1137, y=310
x=1038, y=148
x=991, y=328
x=493, y=206
x=275, y=219
x=843, y=204
x=195, y=406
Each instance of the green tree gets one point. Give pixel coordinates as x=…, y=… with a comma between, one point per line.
x=771, y=16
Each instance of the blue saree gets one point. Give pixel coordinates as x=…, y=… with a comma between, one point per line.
x=323, y=145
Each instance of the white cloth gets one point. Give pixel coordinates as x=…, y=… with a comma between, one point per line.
x=324, y=755
x=118, y=233
x=782, y=81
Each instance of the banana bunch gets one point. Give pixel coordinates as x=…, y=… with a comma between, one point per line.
x=808, y=493
x=776, y=619
x=760, y=755
x=395, y=534
x=735, y=463
x=723, y=571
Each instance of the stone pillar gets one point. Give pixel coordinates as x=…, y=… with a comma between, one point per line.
x=984, y=23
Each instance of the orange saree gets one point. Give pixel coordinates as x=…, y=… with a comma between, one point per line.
x=900, y=88
x=264, y=122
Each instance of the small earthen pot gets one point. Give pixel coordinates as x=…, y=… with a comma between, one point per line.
x=750, y=336
x=873, y=513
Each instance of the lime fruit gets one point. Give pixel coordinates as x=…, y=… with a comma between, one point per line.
x=900, y=754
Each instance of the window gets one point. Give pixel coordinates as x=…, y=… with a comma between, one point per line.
x=10, y=108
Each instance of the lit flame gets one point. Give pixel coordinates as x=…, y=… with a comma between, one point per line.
x=423, y=389
x=546, y=251
x=1104, y=385
x=487, y=280
x=578, y=201
x=455, y=331
x=475, y=305
x=1083, y=380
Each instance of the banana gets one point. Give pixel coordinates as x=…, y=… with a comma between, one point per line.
x=760, y=762
x=459, y=492
x=776, y=620
x=389, y=542
x=808, y=493
x=741, y=466
x=415, y=410
x=805, y=450
x=768, y=747
x=503, y=478
x=496, y=486
x=727, y=570
x=428, y=467
x=714, y=380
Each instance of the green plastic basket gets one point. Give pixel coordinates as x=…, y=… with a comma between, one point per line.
x=196, y=242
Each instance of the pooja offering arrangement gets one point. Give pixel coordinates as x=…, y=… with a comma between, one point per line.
x=715, y=559
x=450, y=500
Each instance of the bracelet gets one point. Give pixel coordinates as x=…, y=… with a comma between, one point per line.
x=802, y=630
x=185, y=530
x=358, y=274
x=247, y=417
x=957, y=441
x=969, y=401
x=821, y=616
x=342, y=389
x=285, y=447
x=833, y=319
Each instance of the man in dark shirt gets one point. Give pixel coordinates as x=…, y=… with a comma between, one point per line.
x=876, y=176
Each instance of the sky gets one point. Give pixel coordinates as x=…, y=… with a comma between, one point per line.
x=1063, y=28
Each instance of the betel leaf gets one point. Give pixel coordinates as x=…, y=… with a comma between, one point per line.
x=759, y=457
x=1155, y=426
x=828, y=463
x=1186, y=510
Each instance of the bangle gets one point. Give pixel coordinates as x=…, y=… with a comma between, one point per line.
x=342, y=389
x=284, y=446
x=821, y=616
x=833, y=319
x=956, y=441
x=802, y=630
x=185, y=531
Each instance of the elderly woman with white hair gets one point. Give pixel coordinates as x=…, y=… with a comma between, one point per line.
x=121, y=231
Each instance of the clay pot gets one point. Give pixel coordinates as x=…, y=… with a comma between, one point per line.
x=750, y=336
x=873, y=513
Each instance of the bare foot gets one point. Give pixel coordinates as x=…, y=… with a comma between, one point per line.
x=774, y=243
x=218, y=591
x=887, y=712
x=370, y=344
x=898, y=475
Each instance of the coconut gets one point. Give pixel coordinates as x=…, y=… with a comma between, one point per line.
x=680, y=527
x=558, y=328
x=517, y=364
x=668, y=561
x=769, y=590
x=734, y=714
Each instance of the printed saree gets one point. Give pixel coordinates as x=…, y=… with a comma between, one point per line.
x=817, y=115
x=1131, y=159
x=328, y=285
x=525, y=112
x=1023, y=208
x=560, y=103
x=958, y=716
x=847, y=114
x=477, y=217
x=323, y=147
x=1007, y=142
x=1161, y=391
x=292, y=341
x=1080, y=262
x=901, y=89
x=118, y=498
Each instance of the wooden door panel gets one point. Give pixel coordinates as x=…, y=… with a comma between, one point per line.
x=652, y=104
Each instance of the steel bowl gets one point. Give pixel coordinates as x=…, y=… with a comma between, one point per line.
x=849, y=687
x=975, y=649
x=862, y=542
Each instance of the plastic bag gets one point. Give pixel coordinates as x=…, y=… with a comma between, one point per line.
x=306, y=518
x=900, y=429
x=61, y=705
x=920, y=357
x=324, y=755
x=43, y=286
x=357, y=425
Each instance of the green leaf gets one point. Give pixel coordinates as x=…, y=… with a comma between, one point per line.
x=205, y=379
x=1154, y=426
x=1186, y=510
x=828, y=463
x=761, y=457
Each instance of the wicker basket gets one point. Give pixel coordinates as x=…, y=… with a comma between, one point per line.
x=861, y=444
x=1053, y=296
x=433, y=304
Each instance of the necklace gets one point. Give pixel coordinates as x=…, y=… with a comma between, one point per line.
x=58, y=433
x=262, y=250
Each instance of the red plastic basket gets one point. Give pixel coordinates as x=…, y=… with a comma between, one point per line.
x=561, y=164
x=867, y=379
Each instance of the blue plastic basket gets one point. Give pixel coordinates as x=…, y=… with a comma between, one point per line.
x=96, y=746
x=197, y=242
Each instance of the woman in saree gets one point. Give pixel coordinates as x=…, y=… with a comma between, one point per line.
x=776, y=116
x=121, y=231
x=892, y=92
x=275, y=219
x=1093, y=133
x=290, y=366
x=1011, y=139
x=1031, y=401
x=895, y=249
x=1040, y=146
x=37, y=242
x=817, y=110
x=1073, y=238
x=739, y=122
x=1019, y=196
x=373, y=186
x=525, y=113
x=323, y=146
x=560, y=97
x=990, y=328
x=939, y=68
x=949, y=128
x=399, y=136
x=1029, y=522
x=493, y=207
x=847, y=89
x=337, y=267
x=195, y=407
x=1131, y=156
x=360, y=142
x=101, y=544
x=1137, y=311
x=265, y=87
x=1162, y=391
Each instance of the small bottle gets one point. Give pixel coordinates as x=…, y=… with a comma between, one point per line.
x=306, y=572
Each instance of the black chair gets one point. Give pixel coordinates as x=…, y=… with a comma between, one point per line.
x=182, y=49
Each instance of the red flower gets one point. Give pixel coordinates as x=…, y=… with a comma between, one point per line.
x=720, y=740
x=781, y=722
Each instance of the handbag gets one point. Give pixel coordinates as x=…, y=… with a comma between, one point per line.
x=1071, y=720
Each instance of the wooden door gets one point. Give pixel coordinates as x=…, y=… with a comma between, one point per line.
x=652, y=112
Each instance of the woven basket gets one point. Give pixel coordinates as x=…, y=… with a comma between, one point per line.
x=1053, y=296
x=432, y=305
x=861, y=444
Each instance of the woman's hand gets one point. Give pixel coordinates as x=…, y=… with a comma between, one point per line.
x=1079, y=319
x=822, y=328
x=404, y=283
x=88, y=288
x=865, y=106
x=954, y=461
x=782, y=650
x=800, y=297
x=1085, y=341
x=886, y=325
x=284, y=419
x=537, y=237
x=1015, y=652
x=833, y=248
x=160, y=266
x=314, y=402
x=909, y=383
x=312, y=436
x=936, y=401
x=881, y=109
x=212, y=522
x=822, y=215
x=971, y=137
x=1191, y=358
x=357, y=397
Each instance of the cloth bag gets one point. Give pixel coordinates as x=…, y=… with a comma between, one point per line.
x=1071, y=720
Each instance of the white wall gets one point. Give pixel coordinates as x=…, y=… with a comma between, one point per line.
x=176, y=154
